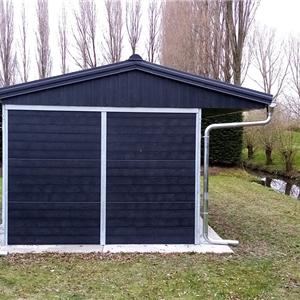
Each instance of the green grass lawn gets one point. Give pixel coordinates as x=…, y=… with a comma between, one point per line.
x=278, y=165
x=266, y=265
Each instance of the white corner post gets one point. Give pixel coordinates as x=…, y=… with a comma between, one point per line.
x=103, y=179
x=197, y=179
x=5, y=173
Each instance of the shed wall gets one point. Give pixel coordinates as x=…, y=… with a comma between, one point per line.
x=133, y=89
x=53, y=177
x=150, y=178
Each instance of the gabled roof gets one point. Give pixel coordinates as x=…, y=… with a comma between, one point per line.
x=135, y=62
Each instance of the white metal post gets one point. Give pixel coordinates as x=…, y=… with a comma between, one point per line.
x=197, y=178
x=5, y=173
x=103, y=179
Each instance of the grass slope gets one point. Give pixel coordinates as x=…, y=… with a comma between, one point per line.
x=264, y=266
x=278, y=165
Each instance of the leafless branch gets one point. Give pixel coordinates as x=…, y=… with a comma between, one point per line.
x=270, y=61
x=239, y=17
x=84, y=34
x=292, y=99
x=133, y=23
x=113, y=38
x=23, y=46
x=63, y=40
x=44, y=61
x=153, y=41
x=7, y=52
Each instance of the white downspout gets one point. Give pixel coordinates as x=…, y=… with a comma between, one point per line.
x=206, y=171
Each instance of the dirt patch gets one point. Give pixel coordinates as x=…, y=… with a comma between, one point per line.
x=217, y=170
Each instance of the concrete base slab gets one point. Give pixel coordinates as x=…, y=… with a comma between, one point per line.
x=159, y=248
x=133, y=248
x=184, y=248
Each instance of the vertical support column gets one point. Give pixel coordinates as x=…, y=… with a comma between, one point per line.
x=5, y=173
x=197, y=178
x=103, y=178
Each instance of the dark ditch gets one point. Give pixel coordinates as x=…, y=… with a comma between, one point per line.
x=290, y=187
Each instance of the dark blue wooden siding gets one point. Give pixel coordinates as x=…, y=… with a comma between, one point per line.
x=54, y=177
x=150, y=178
x=133, y=89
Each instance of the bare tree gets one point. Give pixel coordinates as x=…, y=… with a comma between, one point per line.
x=270, y=61
x=7, y=52
x=293, y=97
x=44, y=61
x=287, y=145
x=153, y=41
x=178, y=48
x=250, y=140
x=85, y=34
x=133, y=23
x=91, y=13
x=63, y=40
x=268, y=135
x=23, y=45
x=113, y=38
x=195, y=39
x=239, y=17
x=250, y=135
x=215, y=41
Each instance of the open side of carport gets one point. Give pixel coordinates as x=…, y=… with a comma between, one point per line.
x=110, y=157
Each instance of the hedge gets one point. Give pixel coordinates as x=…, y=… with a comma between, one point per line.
x=225, y=144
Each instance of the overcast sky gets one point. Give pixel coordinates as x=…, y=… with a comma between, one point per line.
x=283, y=15
x=280, y=14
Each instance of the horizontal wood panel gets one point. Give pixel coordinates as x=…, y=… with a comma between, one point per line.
x=54, y=135
x=150, y=136
x=150, y=188
x=81, y=119
x=137, y=154
x=53, y=129
x=60, y=239
x=150, y=168
x=53, y=146
x=149, y=210
x=71, y=179
x=150, y=178
x=46, y=223
x=53, y=195
x=53, y=154
x=54, y=177
x=58, y=168
x=159, y=197
x=140, y=236
x=47, y=137
x=54, y=163
x=57, y=183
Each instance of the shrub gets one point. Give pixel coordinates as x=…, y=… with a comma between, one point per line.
x=225, y=144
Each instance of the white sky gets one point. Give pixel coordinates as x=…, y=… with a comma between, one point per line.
x=280, y=14
x=283, y=15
